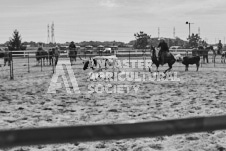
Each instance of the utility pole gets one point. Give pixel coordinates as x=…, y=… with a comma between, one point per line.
x=174, y=32
x=199, y=32
x=224, y=41
x=158, y=33
x=189, y=27
x=48, y=38
x=52, y=33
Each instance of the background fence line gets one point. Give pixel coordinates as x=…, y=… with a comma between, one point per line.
x=130, y=54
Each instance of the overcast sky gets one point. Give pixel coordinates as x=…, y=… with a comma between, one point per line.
x=107, y=20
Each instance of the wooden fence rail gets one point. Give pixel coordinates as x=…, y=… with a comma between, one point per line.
x=52, y=135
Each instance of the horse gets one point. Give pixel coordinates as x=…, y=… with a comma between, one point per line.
x=50, y=56
x=168, y=58
x=201, y=51
x=72, y=54
x=223, y=57
x=41, y=55
x=214, y=50
x=7, y=56
x=55, y=54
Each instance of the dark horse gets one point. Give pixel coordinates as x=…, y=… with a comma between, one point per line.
x=168, y=58
x=41, y=55
x=72, y=54
x=50, y=56
x=204, y=53
x=53, y=55
x=7, y=55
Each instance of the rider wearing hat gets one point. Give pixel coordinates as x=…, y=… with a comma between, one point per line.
x=219, y=47
x=56, y=54
x=163, y=50
x=72, y=51
x=72, y=45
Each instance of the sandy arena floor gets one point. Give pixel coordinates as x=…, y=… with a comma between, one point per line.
x=25, y=103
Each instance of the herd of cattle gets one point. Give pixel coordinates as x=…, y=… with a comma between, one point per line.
x=53, y=54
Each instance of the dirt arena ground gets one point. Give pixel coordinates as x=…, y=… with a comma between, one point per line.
x=25, y=103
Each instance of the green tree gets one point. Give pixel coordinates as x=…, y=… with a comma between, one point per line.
x=142, y=40
x=15, y=41
x=193, y=40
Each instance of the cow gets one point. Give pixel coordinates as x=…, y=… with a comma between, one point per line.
x=96, y=63
x=99, y=61
x=191, y=60
x=178, y=57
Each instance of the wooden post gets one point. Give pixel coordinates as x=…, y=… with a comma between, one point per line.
x=129, y=57
x=11, y=66
x=144, y=58
x=28, y=62
x=53, y=64
x=41, y=64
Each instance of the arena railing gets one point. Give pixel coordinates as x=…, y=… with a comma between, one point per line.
x=83, y=133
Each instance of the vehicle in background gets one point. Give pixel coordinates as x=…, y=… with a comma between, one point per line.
x=100, y=48
x=175, y=50
x=88, y=49
x=63, y=49
x=106, y=50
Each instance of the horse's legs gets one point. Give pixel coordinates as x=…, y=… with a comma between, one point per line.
x=186, y=67
x=56, y=60
x=71, y=61
x=170, y=67
x=197, y=66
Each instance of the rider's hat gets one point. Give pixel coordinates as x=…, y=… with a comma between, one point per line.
x=162, y=39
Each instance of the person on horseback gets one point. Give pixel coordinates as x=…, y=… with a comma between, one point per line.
x=72, y=48
x=72, y=52
x=219, y=47
x=56, y=54
x=7, y=57
x=163, y=50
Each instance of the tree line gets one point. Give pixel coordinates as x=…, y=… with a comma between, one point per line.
x=141, y=40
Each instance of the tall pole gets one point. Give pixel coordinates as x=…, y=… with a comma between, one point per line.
x=174, y=32
x=224, y=41
x=158, y=32
x=189, y=27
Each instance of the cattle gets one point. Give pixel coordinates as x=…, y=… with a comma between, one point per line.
x=97, y=63
x=178, y=57
x=191, y=60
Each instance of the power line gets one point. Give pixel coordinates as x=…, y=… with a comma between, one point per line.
x=48, y=38
x=52, y=33
x=158, y=32
x=174, y=32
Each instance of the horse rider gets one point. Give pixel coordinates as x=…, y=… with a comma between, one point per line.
x=72, y=48
x=7, y=56
x=56, y=54
x=219, y=47
x=163, y=50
